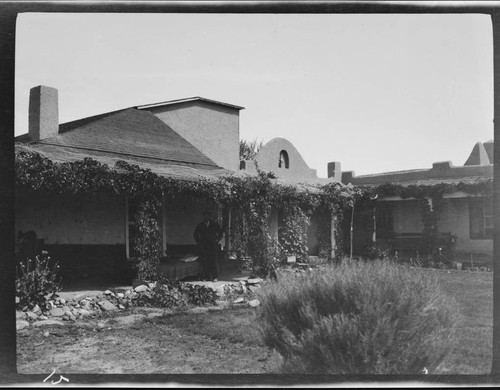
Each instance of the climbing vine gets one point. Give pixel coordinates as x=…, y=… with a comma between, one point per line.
x=147, y=243
x=336, y=200
x=292, y=232
x=250, y=197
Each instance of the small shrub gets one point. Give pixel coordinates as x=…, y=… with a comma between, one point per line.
x=172, y=293
x=358, y=318
x=36, y=280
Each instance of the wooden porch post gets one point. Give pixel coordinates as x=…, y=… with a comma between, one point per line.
x=127, y=243
x=374, y=235
x=333, y=242
x=228, y=231
x=164, y=224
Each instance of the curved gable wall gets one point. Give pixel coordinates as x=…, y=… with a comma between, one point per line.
x=268, y=157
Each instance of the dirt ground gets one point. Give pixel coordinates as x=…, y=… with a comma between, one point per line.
x=137, y=343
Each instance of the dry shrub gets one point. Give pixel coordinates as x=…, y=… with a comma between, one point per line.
x=359, y=318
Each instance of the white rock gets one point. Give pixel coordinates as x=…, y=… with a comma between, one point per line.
x=106, y=305
x=254, y=303
x=107, y=292
x=20, y=315
x=254, y=281
x=66, y=309
x=121, y=307
x=46, y=334
x=57, y=312
x=21, y=324
x=84, y=312
x=32, y=316
x=141, y=288
x=62, y=301
x=152, y=285
x=120, y=295
x=36, y=310
x=239, y=300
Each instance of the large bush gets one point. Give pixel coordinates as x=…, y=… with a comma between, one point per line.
x=359, y=318
x=37, y=279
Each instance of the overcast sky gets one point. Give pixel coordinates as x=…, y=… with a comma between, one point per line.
x=375, y=92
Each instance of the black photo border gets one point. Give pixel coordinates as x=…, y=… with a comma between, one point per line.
x=8, y=15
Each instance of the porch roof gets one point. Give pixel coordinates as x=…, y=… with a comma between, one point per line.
x=181, y=171
x=129, y=133
x=433, y=182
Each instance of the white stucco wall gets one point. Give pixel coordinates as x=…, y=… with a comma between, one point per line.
x=70, y=219
x=454, y=219
x=213, y=129
x=298, y=171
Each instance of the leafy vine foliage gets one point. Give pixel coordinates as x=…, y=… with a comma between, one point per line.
x=251, y=198
x=293, y=232
x=148, y=241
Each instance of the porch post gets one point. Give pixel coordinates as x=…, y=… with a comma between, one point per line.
x=333, y=225
x=164, y=225
x=127, y=244
x=495, y=367
x=374, y=235
x=228, y=230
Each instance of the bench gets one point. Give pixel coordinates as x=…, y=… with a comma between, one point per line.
x=413, y=243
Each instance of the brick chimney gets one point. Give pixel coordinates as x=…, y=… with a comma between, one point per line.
x=43, y=113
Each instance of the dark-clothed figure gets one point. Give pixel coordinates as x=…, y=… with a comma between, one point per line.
x=207, y=234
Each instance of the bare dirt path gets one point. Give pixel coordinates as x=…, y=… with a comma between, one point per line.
x=135, y=345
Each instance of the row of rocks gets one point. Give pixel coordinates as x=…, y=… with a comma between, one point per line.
x=247, y=286
x=119, y=300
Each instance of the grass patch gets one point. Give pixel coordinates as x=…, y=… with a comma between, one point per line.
x=238, y=325
x=474, y=348
x=472, y=354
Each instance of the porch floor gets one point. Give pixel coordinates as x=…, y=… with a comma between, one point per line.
x=93, y=288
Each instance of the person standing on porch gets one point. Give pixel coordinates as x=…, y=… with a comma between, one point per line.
x=207, y=234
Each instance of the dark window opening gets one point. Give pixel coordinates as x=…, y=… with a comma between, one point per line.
x=384, y=220
x=481, y=218
x=283, y=160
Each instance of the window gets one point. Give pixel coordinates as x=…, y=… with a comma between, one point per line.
x=384, y=220
x=283, y=160
x=481, y=218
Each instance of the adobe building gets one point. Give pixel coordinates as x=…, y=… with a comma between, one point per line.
x=467, y=217
x=84, y=230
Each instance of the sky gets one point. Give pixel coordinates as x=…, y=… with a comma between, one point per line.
x=375, y=92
